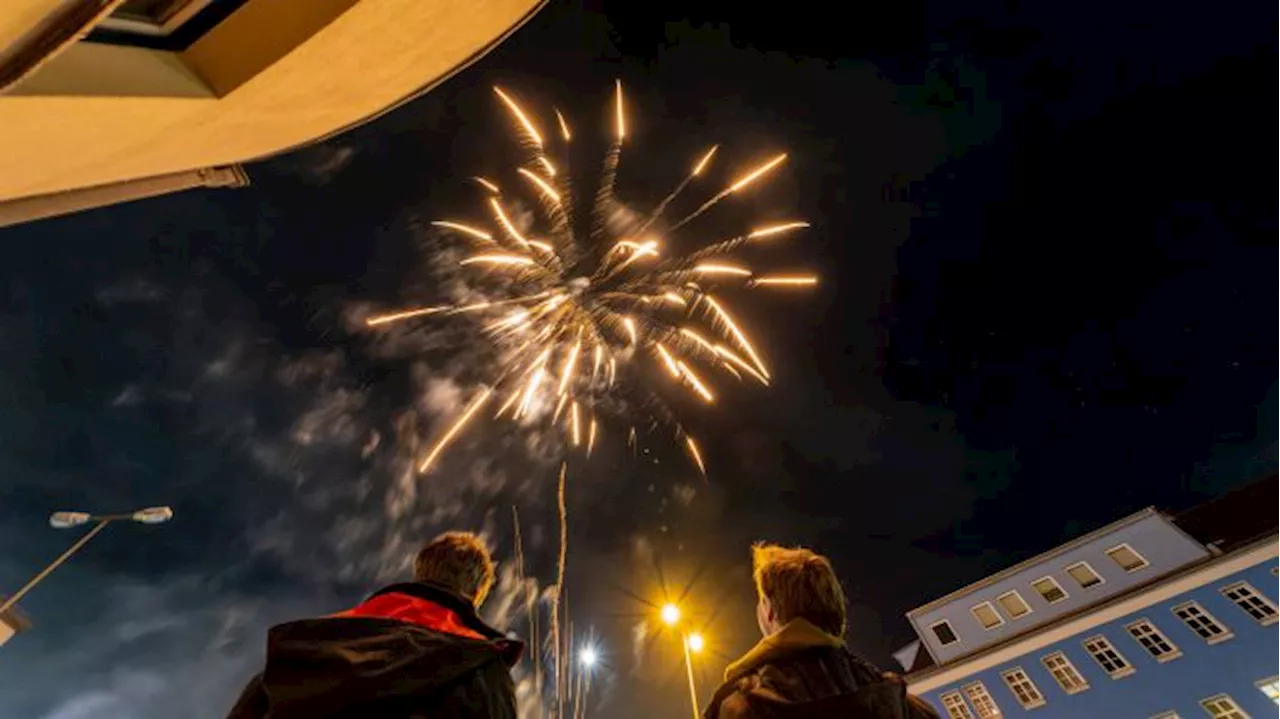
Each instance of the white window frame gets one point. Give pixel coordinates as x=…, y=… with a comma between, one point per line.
x=964, y=712
x=1173, y=653
x=1239, y=712
x=1127, y=670
x=1101, y=579
x=982, y=699
x=1166, y=715
x=1265, y=621
x=1269, y=682
x=1226, y=631
x=1027, y=680
x=1066, y=661
x=1054, y=580
x=1025, y=603
x=999, y=617
x=940, y=622
x=1136, y=553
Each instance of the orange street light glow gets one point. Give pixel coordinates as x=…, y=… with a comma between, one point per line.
x=670, y=614
x=696, y=642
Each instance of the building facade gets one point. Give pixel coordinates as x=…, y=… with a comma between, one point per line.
x=1137, y=619
x=107, y=100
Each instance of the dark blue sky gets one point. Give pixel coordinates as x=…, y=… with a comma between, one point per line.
x=1048, y=244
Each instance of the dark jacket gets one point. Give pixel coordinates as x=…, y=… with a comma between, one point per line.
x=411, y=650
x=802, y=672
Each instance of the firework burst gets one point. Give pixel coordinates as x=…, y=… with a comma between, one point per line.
x=581, y=307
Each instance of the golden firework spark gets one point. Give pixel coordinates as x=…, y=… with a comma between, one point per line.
x=453, y=431
x=581, y=312
x=564, y=127
x=786, y=281
x=706, y=159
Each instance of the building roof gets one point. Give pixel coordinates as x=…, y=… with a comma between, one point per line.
x=274, y=75
x=1037, y=559
x=1236, y=518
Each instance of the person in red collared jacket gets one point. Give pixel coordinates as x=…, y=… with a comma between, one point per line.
x=416, y=649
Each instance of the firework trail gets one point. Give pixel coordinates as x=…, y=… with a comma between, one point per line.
x=560, y=588
x=580, y=314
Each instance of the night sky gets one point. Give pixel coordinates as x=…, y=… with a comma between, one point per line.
x=1048, y=243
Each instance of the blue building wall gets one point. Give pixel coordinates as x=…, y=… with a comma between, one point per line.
x=1230, y=667
x=1161, y=543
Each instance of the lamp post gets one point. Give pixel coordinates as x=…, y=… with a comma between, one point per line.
x=65, y=520
x=691, y=643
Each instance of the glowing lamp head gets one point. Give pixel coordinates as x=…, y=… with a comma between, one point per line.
x=696, y=642
x=589, y=657
x=670, y=614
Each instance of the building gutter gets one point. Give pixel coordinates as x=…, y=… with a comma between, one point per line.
x=27, y=209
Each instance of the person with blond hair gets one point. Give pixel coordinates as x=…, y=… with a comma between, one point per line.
x=416, y=649
x=802, y=668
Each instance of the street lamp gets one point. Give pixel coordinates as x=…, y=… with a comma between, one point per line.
x=64, y=520
x=693, y=642
x=670, y=614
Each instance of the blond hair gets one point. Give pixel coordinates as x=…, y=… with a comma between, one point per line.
x=799, y=584
x=458, y=561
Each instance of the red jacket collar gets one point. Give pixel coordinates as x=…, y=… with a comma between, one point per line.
x=414, y=610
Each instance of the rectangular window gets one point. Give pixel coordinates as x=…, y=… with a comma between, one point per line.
x=1108, y=657
x=987, y=615
x=1064, y=672
x=1025, y=690
x=1127, y=557
x=1248, y=599
x=1151, y=639
x=1202, y=622
x=1084, y=575
x=945, y=634
x=152, y=17
x=982, y=702
x=1271, y=688
x=162, y=24
x=1223, y=707
x=955, y=706
x=1049, y=588
x=1166, y=715
x=1013, y=604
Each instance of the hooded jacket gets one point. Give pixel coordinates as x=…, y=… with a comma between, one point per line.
x=803, y=672
x=410, y=650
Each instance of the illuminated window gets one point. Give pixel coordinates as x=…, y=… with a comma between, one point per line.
x=1155, y=642
x=1223, y=707
x=945, y=634
x=1025, y=690
x=987, y=615
x=1270, y=687
x=1049, y=588
x=982, y=702
x=1108, y=657
x=1013, y=604
x=1248, y=599
x=955, y=706
x=1065, y=673
x=1202, y=622
x=1127, y=557
x=1084, y=575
